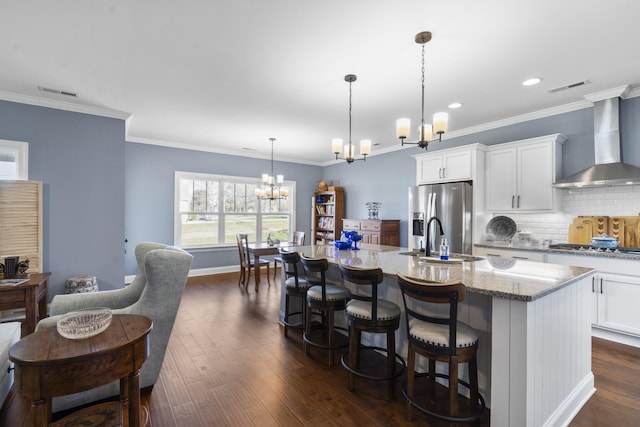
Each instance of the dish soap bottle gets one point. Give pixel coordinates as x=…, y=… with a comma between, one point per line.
x=444, y=249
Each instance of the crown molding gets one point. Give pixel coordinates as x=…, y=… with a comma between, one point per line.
x=217, y=150
x=64, y=105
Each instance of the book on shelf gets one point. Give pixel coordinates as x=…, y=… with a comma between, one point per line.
x=325, y=222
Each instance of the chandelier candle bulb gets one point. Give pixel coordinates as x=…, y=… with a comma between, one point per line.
x=440, y=121
x=365, y=147
x=336, y=145
x=280, y=179
x=426, y=132
x=348, y=152
x=403, y=128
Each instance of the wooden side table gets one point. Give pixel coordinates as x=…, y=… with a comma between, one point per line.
x=49, y=365
x=32, y=296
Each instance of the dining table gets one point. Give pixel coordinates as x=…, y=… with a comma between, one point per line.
x=259, y=249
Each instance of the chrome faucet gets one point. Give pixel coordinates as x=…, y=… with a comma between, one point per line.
x=427, y=246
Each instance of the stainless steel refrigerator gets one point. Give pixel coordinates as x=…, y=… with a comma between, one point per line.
x=451, y=203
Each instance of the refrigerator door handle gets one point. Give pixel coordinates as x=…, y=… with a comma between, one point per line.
x=432, y=209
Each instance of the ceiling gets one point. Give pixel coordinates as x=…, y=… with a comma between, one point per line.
x=226, y=75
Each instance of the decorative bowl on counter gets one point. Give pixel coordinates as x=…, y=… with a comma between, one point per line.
x=604, y=242
x=84, y=323
x=339, y=244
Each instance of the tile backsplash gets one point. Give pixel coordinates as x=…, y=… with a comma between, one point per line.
x=607, y=201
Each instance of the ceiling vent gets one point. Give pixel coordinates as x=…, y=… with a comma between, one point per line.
x=569, y=86
x=57, y=91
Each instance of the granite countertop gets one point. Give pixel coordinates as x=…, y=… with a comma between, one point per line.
x=600, y=254
x=499, y=277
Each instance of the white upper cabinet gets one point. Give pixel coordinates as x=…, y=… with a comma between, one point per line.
x=519, y=175
x=455, y=164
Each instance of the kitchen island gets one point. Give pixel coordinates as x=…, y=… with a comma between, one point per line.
x=533, y=321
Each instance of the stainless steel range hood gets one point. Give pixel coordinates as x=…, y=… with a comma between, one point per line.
x=609, y=169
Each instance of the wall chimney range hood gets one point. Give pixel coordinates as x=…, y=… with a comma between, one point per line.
x=608, y=170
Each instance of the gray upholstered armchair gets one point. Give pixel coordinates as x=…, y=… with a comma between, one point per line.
x=155, y=292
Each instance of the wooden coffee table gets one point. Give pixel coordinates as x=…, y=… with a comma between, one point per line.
x=49, y=365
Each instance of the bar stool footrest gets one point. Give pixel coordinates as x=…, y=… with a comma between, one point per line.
x=299, y=325
x=325, y=345
x=463, y=419
x=361, y=374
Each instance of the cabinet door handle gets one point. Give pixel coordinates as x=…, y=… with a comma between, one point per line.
x=601, y=285
x=518, y=201
x=520, y=257
x=495, y=255
x=513, y=198
x=593, y=285
x=444, y=172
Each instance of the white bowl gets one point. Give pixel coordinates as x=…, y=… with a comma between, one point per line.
x=84, y=323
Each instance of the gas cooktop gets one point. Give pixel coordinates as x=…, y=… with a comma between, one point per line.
x=588, y=248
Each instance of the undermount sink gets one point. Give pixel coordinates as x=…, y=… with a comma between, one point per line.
x=453, y=258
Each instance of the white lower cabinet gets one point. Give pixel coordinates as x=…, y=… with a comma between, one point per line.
x=616, y=291
x=616, y=298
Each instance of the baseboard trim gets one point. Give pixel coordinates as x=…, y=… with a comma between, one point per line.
x=198, y=272
x=563, y=415
x=615, y=336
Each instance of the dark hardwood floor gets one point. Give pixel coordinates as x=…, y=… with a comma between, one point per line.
x=228, y=364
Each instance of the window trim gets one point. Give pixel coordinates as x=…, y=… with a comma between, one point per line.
x=177, y=224
x=22, y=160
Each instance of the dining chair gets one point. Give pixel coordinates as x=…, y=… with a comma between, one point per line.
x=246, y=261
x=298, y=240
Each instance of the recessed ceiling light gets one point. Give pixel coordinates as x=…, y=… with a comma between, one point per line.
x=455, y=105
x=531, y=82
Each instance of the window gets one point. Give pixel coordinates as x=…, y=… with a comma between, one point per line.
x=211, y=209
x=14, y=160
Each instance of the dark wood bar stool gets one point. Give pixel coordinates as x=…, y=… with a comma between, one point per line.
x=298, y=240
x=440, y=339
x=370, y=314
x=296, y=287
x=326, y=299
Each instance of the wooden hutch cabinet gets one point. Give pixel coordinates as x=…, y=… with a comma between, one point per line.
x=375, y=231
x=326, y=216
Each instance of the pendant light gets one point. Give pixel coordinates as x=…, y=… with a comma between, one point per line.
x=426, y=131
x=349, y=150
x=271, y=184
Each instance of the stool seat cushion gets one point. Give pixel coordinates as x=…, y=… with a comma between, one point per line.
x=290, y=283
x=438, y=335
x=334, y=293
x=362, y=310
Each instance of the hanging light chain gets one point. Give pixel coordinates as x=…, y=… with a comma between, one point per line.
x=350, y=144
x=423, y=84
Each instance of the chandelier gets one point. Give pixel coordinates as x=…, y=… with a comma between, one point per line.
x=426, y=131
x=271, y=185
x=349, y=150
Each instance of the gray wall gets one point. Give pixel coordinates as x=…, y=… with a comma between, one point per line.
x=149, y=175
x=85, y=163
x=80, y=160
